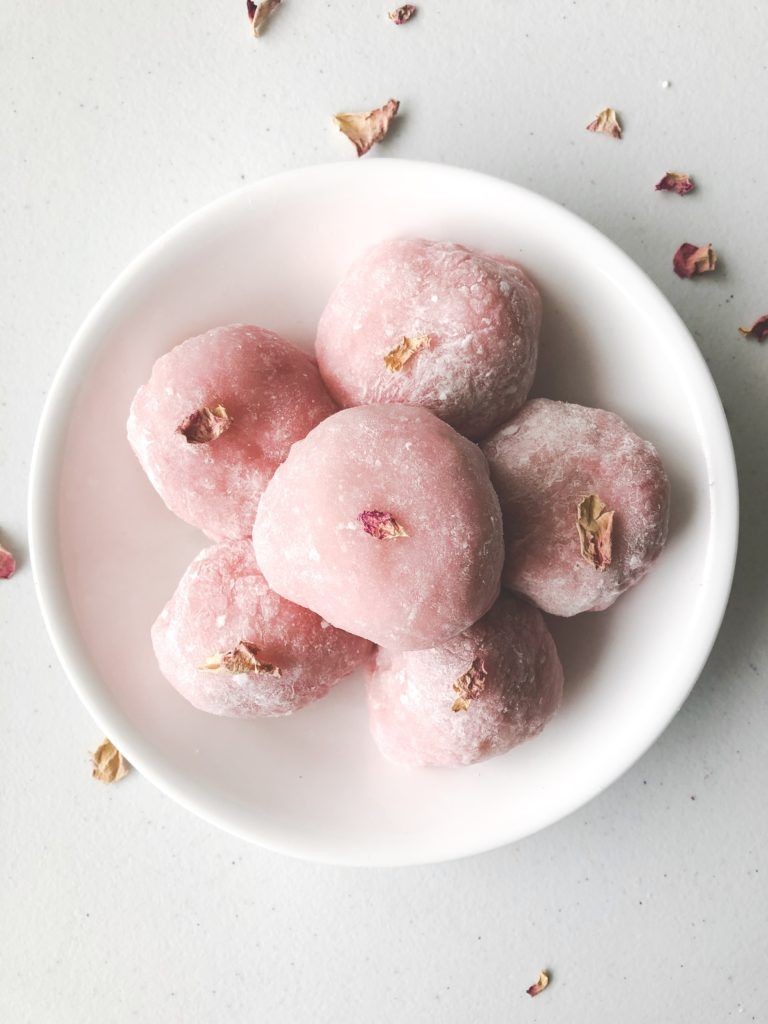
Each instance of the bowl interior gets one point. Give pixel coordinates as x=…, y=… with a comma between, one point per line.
x=107, y=554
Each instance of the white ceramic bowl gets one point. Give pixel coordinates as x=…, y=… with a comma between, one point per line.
x=106, y=553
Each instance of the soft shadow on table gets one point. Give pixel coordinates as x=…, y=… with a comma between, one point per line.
x=580, y=641
x=743, y=632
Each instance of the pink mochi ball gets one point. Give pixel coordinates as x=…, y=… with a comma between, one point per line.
x=432, y=324
x=383, y=520
x=564, y=551
x=495, y=685
x=232, y=646
x=218, y=416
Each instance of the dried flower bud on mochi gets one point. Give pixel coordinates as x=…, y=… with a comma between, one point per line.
x=595, y=526
x=241, y=659
x=205, y=425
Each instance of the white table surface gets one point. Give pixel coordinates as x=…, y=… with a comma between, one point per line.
x=648, y=905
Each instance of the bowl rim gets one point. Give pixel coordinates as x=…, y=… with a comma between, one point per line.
x=46, y=560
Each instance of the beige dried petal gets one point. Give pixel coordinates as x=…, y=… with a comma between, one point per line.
x=595, y=526
x=108, y=764
x=366, y=128
x=539, y=985
x=402, y=14
x=259, y=13
x=243, y=659
x=470, y=685
x=205, y=425
x=398, y=356
x=381, y=525
x=607, y=122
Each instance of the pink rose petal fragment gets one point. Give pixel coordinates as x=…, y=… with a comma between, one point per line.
x=205, y=425
x=402, y=14
x=470, y=685
x=540, y=985
x=259, y=13
x=108, y=764
x=682, y=184
x=595, y=526
x=7, y=564
x=690, y=260
x=366, y=128
x=242, y=660
x=606, y=122
x=758, y=330
x=397, y=357
x=381, y=525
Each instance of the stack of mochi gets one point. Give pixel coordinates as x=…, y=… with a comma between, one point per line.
x=367, y=508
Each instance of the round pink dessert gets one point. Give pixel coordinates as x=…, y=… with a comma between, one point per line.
x=232, y=646
x=480, y=694
x=432, y=324
x=383, y=520
x=218, y=416
x=544, y=464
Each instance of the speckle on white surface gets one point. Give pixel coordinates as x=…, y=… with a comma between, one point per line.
x=120, y=902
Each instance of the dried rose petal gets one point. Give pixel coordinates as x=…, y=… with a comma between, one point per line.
x=606, y=122
x=682, y=184
x=258, y=13
x=381, y=525
x=242, y=660
x=540, y=985
x=595, y=527
x=7, y=564
x=204, y=425
x=758, y=330
x=364, y=129
x=108, y=764
x=402, y=14
x=397, y=357
x=470, y=685
x=690, y=260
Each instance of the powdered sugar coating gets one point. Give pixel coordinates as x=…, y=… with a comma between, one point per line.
x=273, y=395
x=411, y=694
x=404, y=592
x=543, y=462
x=221, y=600
x=481, y=313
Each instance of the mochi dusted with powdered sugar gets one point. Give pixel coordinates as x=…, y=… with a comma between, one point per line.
x=217, y=417
x=490, y=688
x=585, y=504
x=232, y=646
x=432, y=324
x=383, y=520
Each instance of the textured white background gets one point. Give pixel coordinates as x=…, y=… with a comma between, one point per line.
x=650, y=904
